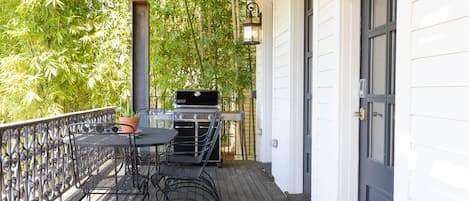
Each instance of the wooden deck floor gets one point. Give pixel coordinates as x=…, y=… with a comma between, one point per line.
x=235, y=181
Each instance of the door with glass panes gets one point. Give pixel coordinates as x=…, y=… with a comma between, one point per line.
x=377, y=89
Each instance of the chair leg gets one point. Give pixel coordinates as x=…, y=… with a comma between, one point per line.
x=147, y=192
x=165, y=190
x=201, y=184
x=210, y=178
x=156, y=184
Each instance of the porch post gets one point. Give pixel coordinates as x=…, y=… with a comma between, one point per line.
x=140, y=54
x=264, y=85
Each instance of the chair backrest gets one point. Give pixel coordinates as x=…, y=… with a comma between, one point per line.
x=155, y=118
x=213, y=139
x=88, y=155
x=205, y=139
x=202, y=144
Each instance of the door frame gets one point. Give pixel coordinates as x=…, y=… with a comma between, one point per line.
x=349, y=74
x=308, y=96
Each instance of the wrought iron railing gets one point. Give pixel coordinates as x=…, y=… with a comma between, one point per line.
x=238, y=137
x=35, y=163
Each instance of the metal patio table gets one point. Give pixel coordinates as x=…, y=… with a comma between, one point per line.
x=147, y=137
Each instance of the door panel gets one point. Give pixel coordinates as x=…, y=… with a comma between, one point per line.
x=379, y=13
x=378, y=64
x=377, y=126
x=373, y=193
x=376, y=133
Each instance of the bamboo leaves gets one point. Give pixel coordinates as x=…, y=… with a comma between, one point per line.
x=58, y=56
x=193, y=46
x=55, y=3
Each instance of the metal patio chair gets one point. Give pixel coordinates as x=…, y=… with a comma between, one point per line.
x=152, y=118
x=179, y=180
x=155, y=118
x=190, y=157
x=99, y=143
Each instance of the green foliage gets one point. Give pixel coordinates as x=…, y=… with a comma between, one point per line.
x=61, y=56
x=181, y=31
x=126, y=109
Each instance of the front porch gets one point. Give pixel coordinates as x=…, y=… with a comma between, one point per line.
x=36, y=164
x=236, y=181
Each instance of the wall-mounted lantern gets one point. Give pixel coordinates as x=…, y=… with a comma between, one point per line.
x=253, y=24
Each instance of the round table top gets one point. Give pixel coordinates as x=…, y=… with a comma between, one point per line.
x=147, y=137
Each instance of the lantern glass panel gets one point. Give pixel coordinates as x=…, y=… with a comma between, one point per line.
x=248, y=33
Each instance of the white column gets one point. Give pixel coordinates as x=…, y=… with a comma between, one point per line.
x=264, y=86
x=287, y=94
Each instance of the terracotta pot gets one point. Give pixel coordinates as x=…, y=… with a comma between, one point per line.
x=133, y=121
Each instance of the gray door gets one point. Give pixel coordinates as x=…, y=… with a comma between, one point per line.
x=377, y=100
x=308, y=65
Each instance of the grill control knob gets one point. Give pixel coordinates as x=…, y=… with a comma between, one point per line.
x=179, y=116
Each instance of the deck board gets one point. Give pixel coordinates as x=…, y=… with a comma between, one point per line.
x=235, y=181
x=257, y=180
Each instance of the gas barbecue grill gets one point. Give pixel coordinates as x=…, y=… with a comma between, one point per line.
x=193, y=109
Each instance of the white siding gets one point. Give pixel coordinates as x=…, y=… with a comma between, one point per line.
x=432, y=155
x=325, y=101
x=287, y=102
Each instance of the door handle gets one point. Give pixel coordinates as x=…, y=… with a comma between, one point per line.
x=361, y=114
x=377, y=114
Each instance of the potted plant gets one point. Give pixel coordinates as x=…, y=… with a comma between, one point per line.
x=128, y=116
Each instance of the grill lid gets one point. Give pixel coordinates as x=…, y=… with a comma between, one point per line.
x=196, y=98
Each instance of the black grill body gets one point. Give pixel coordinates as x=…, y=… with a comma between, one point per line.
x=191, y=119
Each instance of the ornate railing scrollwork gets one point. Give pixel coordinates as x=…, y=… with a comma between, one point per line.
x=34, y=162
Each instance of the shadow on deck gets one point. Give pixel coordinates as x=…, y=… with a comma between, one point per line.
x=236, y=181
